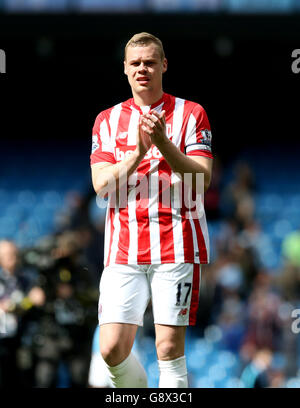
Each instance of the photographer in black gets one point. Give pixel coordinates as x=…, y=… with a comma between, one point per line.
x=19, y=291
x=61, y=340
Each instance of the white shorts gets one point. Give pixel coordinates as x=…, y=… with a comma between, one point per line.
x=125, y=291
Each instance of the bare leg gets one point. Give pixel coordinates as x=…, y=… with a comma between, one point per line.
x=170, y=341
x=116, y=341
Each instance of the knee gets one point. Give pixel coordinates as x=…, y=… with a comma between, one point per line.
x=113, y=353
x=168, y=350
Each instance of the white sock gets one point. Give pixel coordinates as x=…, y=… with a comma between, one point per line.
x=128, y=374
x=173, y=373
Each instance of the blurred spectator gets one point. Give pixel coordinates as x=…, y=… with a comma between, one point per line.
x=82, y=216
x=9, y=288
x=237, y=261
x=253, y=239
x=255, y=374
x=237, y=197
x=63, y=336
x=291, y=248
x=289, y=280
x=264, y=323
x=232, y=322
x=226, y=238
x=228, y=310
x=17, y=285
x=50, y=303
x=212, y=196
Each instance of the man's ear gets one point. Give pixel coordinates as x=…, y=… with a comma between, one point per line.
x=125, y=69
x=165, y=65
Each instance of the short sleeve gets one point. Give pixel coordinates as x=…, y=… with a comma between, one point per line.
x=102, y=145
x=198, y=134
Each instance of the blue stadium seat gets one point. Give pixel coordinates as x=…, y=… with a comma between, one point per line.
x=15, y=211
x=4, y=197
x=36, y=5
x=195, y=361
x=228, y=360
x=234, y=382
x=108, y=5
x=268, y=204
x=217, y=373
x=8, y=226
x=293, y=382
x=27, y=198
x=204, y=382
x=52, y=199
x=152, y=374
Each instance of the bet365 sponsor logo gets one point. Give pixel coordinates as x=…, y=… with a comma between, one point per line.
x=153, y=153
x=2, y=62
x=296, y=61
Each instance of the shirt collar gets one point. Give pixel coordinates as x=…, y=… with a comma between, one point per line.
x=161, y=101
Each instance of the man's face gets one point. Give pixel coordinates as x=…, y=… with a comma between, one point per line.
x=144, y=68
x=8, y=256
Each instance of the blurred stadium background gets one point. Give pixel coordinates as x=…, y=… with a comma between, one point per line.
x=64, y=65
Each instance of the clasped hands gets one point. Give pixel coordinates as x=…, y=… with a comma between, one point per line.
x=152, y=129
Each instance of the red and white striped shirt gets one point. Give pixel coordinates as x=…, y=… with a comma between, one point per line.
x=152, y=233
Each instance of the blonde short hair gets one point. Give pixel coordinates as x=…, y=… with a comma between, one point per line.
x=144, y=39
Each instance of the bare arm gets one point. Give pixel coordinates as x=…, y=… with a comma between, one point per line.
x=107, y=177
x=154, y=125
